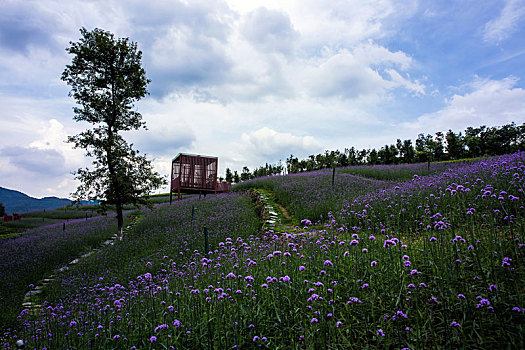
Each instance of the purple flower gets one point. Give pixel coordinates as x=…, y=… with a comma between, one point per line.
x=328, y=263
x=380, y=332
x=373, y=263
x=256, y=338
x=314, y=320
x=162, y=326
x=354, y=242
x=339, y=324
x=401, y=314
x=301, y=268
x=433, y=300
x=432, y=239
x=285, y=278
x=389, y=242
x=461, y=296
x=455, y=324
x=153, y=339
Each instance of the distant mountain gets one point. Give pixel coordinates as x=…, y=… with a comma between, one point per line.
x=18, y=202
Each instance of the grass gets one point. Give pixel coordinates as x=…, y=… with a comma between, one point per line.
x=61, y=214
x=30, y=256
x=433, y=262
x=401, y=171
x=17, y=227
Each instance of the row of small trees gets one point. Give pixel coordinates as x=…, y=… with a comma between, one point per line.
x=473, y=142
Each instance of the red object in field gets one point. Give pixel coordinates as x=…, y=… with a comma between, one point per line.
x=195, y=174
x=224, y=186
x=7, y=218
x=17, y=217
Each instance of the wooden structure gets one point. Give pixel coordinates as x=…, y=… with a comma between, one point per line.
x=195, y=174
x=14, y=217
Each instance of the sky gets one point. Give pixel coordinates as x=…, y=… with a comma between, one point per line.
x=253, y=82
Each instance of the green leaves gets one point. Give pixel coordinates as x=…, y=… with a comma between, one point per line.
x=106, y=78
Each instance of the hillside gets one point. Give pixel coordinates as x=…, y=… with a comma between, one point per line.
x=431, y=262
x=18, y=202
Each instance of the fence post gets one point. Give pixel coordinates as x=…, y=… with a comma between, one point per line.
x=206, y=244
x=64, y=227
x=333, y=177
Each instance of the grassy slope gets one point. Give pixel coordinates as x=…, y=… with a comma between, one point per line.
x=366, y=276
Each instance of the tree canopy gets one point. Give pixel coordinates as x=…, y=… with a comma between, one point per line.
x=106, y=79
x=474, y=142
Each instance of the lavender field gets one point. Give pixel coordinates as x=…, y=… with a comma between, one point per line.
x=27, y=258
x=431, y=262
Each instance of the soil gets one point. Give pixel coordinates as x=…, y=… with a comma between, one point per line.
x=284, y=211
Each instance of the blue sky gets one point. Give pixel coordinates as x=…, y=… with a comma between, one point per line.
x=255, y=81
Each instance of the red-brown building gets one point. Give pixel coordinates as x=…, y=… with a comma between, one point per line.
x=195, y=174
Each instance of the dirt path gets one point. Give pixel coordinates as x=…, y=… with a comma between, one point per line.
x=285, y=212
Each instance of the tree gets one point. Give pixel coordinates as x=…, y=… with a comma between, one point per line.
x=406, y=150
x=106, y=79
x=245, y=175
x=236, y=178
x=455, y=145
x=373, y=157
x=229, y=175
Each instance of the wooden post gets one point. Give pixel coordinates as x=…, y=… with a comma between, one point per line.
x=64, y=227
x=180, y=177
x=206, y=244
x=333, y=177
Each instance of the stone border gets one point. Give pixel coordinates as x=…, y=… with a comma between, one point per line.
x=30, y=304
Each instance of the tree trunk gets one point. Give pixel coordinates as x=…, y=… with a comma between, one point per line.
x=120, y=220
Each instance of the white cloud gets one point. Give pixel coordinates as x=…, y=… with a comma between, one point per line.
x=510, y=18
x=270, y=31
x=490, y=102
x=166, y=134
x=361, y=72
x=253, y=81
x=268, y=142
